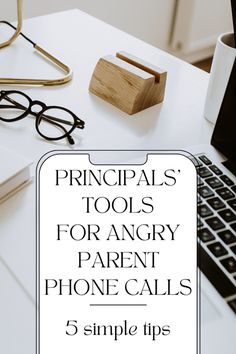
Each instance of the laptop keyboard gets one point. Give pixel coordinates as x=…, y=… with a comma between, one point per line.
x=217, y=228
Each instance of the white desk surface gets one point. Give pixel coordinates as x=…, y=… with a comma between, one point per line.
x=80, y=40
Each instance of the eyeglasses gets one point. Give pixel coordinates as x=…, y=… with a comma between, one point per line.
x=52, y=122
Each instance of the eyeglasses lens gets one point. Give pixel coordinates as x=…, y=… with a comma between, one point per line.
x=13, y=106
x=55, y=123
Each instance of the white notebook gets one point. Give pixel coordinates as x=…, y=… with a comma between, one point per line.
x=14, y=173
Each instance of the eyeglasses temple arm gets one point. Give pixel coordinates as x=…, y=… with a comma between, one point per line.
x=69, y=137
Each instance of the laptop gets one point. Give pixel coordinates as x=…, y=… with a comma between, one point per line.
x=216, y=166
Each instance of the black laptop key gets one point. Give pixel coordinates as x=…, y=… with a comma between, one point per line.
x=199, y=222
x=215, y=223
x=234, y=189
x=204, y=211
x=225, y=193
x=197, y=163
x=200, y=182
x=216, y=170
x=214, y=182
x=232, y=304
x=234, y=249
x=227, y=237
x=227, y=215
x=205, y=192
x=199, y=199
x=204, y=172
x=229, y=264
x=227, y=180
x=214, y=274
x=232, y=203
x=216, y=203
x=205, y=160
x=205, y=235
x=233, y=226
x=217, y=249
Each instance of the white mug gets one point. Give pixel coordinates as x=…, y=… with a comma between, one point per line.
x=224, y=57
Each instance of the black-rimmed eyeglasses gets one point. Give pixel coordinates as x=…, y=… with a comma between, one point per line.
x=52, y=122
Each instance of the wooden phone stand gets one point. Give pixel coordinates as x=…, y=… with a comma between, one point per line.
x=128, y=82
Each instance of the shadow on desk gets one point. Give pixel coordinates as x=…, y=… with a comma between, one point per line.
x=135, y=122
